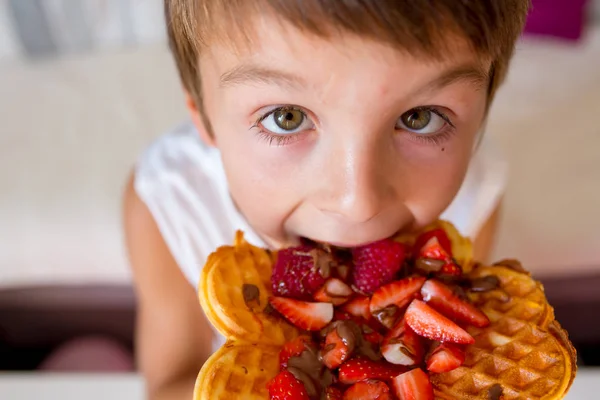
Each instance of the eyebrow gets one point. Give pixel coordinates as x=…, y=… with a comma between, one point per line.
x=471, y=74
x=249, y=73
x=252, y=73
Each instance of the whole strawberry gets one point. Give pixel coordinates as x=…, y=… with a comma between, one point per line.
x=296, y=273
x=285, y=386
x=376, y=264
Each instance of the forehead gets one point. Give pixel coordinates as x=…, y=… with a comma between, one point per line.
x=278, y=51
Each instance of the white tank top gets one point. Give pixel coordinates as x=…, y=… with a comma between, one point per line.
x=182, y=182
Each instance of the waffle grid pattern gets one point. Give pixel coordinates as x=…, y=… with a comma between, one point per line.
x=517, y=350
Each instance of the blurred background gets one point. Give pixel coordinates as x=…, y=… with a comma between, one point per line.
x=85, y=85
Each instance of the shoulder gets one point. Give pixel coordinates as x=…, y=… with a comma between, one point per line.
x=182, y=186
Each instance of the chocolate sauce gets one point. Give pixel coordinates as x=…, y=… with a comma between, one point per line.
x=495, y=392
x=307, y=381
x=308, y=368
x=251, y=295
x=428, y=265
x=485, y=284
x=323, y=262
x=388, y=315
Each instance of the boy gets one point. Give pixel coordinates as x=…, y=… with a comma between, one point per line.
x=339, y=121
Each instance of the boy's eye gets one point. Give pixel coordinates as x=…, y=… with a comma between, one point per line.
x=286, y=120
x=421, y=120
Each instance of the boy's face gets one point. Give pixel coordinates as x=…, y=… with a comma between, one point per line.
x=344, y=140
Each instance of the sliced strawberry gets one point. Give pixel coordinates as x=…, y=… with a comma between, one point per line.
x=441, y=297
x=397, y=294
x=429, y=323
x=334, y=291
x=336, y=350
x=376, y=264
x=333, y=393
x=361, y=369
x=434, y=250
x=293, y=348
x=371, y=336
x=440, y=235
x=401, y=345
x=359, y=307
x=445, y=358
x=368, y=390
x=304, y=315
x=413, y=385
x=285, y=386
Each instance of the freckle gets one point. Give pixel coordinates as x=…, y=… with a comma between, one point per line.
x=443, y=149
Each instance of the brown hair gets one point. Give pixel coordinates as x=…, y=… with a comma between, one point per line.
x=420, y=27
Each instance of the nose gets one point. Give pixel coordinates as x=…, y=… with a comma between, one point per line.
x=355, y=184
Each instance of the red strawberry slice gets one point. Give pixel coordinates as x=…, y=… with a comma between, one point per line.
x=304, y=315
x=334, y=291
x=441, y=298
x=413, y=385
x=376, y=264
x=333, y=393
x=285, y=386
x=445, y=358
x=368, y=390
x=359, y=307
x=434, y=250
x=371, y=336
x=429, y=323
x=293, y=348
x=336, y=350
x=397, y=294
x=401, y=345
x=362, y=369
x=295, y=274
x=440, y=235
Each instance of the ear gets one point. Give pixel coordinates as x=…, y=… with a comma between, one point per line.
x=197, y=119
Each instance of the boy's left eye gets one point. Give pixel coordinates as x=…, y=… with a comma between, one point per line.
x=421, y=120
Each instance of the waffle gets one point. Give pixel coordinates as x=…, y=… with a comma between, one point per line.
x=524, y=350
x=234, y=289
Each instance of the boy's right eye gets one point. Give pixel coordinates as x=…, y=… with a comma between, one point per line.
x=285, y=121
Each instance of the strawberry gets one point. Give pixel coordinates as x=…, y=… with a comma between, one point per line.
x=371, y=336
x=293, y=348
x=295, y=273
x=285, y=386
x=399, y=294
x=368, y=390
x=413, y=385
x=333, y=393
x=440, y=235
x=359, y=307
x=361, y=369
x=376, y=264
x=445, y=358
x=428, y=323
x=336, y=349
x=432, y=249
x=304, y=315
x=441, y=298
x=334, y=291
x=401, y=345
